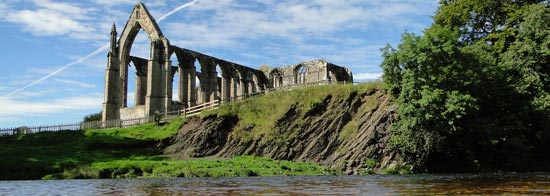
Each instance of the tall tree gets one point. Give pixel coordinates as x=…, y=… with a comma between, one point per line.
x=476, y=83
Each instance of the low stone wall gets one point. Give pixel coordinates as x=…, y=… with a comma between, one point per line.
x=132, y=112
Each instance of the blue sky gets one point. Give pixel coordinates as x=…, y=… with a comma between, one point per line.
x=44, y=79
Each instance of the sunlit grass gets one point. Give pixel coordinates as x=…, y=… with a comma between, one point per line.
x=258, y=115
x=133, y=151
x=237, y=166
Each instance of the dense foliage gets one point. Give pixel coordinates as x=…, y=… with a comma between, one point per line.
x=92, y=117
x=474, y=90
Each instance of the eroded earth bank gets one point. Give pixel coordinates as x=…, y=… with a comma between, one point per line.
x=346, y=131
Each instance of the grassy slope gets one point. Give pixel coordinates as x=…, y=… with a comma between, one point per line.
x=130, y=152
x=35, y=155
x=258, y=115
x=119, y=153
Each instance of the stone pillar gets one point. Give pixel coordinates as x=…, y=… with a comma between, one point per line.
x=226, y=88
x=141, y=84
x=204, y=88
x=183, y=84
x=234, y=90
x=209, y=79
x=251, y=87
x=169, y=87
x=243, y=88
x=156, y=77
x=124, y=77
x=192, y=87
x=138, y=100
x=141, y=90
x=111, y=105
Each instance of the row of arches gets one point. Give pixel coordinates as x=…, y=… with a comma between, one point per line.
x=172, y=77
x=278, y=77
x=193, y=78
x=196, y=78
x=311, y=72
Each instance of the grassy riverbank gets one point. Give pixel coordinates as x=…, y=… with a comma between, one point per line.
x=121, y=153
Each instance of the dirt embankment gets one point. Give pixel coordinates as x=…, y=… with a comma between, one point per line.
x=348, y=134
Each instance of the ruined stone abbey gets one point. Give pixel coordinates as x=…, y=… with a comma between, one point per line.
x=154, y=76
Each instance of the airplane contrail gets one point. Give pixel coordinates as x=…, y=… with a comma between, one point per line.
x=95, y=52
x=177, y=9
x=99, y=50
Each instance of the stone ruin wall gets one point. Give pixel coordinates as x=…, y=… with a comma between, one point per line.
x=311, y=72
x=154, y=76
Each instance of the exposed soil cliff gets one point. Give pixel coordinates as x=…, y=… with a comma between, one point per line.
x=348, y=133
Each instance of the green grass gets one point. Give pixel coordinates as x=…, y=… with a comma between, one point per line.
x=237, y=166
x=258, y=115
x=123, y=153
x=36, y=155
x=350, y=130
x=132, y=152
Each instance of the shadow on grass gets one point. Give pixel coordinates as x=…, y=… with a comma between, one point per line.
x=35, y=155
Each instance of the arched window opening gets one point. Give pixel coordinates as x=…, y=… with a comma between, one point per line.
x=198, y=71
x=131, y=81
x=135, y=85
x=219, y=83
x=198, y=79
x=301, y=75
x=276, y=78
x=175, y=79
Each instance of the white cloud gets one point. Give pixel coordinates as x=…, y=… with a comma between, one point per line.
x=367, y=76
x=3, y=8
x=11, y=108
x=228, y=21
x=65, y=8
x=46, y=22
x=48, y=18
x=114, y=2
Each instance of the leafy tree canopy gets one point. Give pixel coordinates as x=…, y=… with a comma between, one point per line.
x=92, y=117
x=476, y=83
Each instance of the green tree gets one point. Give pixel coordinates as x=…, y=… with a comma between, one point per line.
x=92, y=117
x=476, y=83
x=433, y=78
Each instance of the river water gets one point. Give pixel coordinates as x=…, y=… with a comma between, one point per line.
x=464, y=184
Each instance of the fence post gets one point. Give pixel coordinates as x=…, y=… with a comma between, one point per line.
x=185, y=112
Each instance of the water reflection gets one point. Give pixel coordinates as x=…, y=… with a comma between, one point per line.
x=511, y=183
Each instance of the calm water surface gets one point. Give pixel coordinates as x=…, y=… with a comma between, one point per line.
x=485, y=184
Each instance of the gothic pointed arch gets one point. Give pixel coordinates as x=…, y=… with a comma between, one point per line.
x=139, y=19
x=158, y=70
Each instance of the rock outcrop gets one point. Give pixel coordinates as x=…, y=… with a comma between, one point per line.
x=349, y=134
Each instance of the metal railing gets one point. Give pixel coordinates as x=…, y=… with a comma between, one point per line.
x=116, y=123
